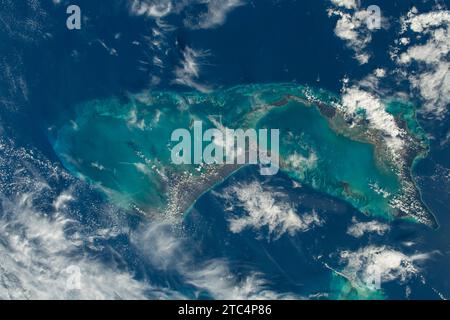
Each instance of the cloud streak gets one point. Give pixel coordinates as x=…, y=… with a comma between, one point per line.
x=168, y=251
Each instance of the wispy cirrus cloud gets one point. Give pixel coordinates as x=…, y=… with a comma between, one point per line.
x=215, y=15
x=358, y=229
x=212, y=16
x=45, y=252
x=168, y=251
x=188, y=71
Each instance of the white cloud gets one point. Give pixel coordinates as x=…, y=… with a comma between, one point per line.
x=348, y=4
x=362, y=102
x=380, y=72
x=37, y=255
x=214, y=16
x=216, y=278
x=151, y=8
x=40, y=246
x=167, y=250
x=61, y=200
x=353, y=27
x=355, y=99
x=358, y=229
x=216, y=13
x=188, y=72
x=301, y=162
x=365, y=265
x=266, y=208
x=429, y=58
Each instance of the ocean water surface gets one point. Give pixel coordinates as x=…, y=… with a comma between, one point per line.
x=87, y=180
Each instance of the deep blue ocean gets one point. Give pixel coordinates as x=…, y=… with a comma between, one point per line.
x=263, y=41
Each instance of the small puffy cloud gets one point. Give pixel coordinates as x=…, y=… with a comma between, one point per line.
x=348, y=4
x=266, y=208
x=358, y=229
x=428, y=56
x=151, y=8
x=354, y=98
x=373, y=264
x=354, y=26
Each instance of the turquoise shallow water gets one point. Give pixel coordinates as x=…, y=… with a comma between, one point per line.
x=331, y=162
x=124, y=145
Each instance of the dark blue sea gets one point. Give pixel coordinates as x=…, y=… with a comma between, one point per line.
x=53, y=218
